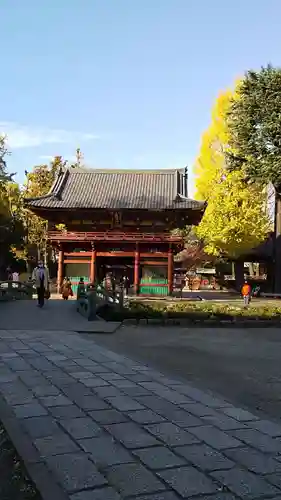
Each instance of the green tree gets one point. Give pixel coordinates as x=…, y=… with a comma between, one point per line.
x=4, y=176
x=38, y=183
x=254, y=123
x=11, y=214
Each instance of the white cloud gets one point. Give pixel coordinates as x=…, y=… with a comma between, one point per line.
x=21, y=136
x=46, y=157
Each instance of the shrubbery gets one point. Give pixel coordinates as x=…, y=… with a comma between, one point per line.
x=193, y=311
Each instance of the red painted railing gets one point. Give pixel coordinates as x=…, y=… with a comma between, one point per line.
x=112, y=236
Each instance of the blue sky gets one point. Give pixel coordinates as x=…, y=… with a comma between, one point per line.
x=131, y=82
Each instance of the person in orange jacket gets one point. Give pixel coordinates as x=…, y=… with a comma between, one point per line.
x=246, y=293
x=66, y=289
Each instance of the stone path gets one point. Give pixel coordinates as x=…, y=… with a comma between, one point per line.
x=94, y=425
x=56, y=315
x=222, y=360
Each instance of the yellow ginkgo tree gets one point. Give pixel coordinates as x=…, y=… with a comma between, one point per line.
x=210, y=163
x=235, y=220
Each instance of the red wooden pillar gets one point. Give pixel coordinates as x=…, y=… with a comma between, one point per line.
x=93, y=265
x=137, y=270
x=60, y=269
x=170, y=271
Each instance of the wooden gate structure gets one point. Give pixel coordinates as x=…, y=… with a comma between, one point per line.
x=112, y=217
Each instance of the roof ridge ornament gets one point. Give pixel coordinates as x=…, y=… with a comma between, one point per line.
x=61, y=180
x=181, y=183
x=56, y=188
x=185, y=181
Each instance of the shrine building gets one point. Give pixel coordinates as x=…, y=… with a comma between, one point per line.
x=118, y=221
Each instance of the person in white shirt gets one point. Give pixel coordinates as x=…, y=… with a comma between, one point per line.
x=16, y=276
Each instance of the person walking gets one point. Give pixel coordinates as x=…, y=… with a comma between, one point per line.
x=9, y=274
x=40, y=278
x=16, y=276
x=81, y=288
x=126, y=284
x=66, y=289
x=246, y=293
x=113, y=284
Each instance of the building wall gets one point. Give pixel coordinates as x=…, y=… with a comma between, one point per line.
x=148, y=272
x=77, y=270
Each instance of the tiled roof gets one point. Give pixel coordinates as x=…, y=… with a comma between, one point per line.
x=157, y=189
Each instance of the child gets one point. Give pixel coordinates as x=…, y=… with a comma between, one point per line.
x=246, y=293
x=66, y=289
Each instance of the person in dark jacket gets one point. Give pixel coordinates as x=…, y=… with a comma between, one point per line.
x=40, y=278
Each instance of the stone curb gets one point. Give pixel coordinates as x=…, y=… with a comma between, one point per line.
x=202, y=323
x=36, y=468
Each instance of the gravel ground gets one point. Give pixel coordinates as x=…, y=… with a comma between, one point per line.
x=14, y=482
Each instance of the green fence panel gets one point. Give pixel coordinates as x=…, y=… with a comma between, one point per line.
x=149, y=286
x=75, y=280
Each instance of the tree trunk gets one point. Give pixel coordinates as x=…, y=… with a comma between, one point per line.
x=277, y=244
x=233, y=269
x=239, y=274
x=270, y=272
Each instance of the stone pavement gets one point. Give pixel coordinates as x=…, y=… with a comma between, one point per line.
x=221, y=360
x=94, y=425
x=57, y=314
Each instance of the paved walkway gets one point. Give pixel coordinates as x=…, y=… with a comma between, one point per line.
x=222, y=360
x=57, y=314
x=94, y=425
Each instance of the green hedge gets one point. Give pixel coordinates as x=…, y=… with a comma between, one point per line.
x=193, y=311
